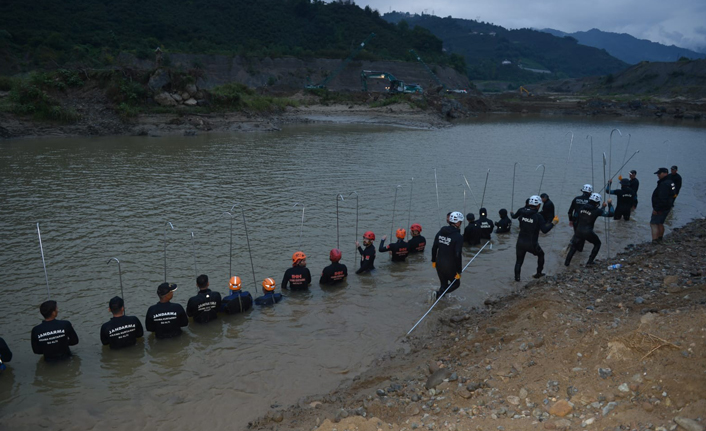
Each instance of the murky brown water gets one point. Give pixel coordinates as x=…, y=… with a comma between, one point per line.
x=105, y=197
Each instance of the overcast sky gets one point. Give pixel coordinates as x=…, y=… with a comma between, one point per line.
x=671, y=22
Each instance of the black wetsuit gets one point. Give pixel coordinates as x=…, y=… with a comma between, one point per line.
x=676, y=179
x=548, y=211
x=334, y=273
x=121, y=332
x=416, y=244
x=5, y=352
x=399, y=249
x=269, y=298
x=166, y=319
x=503, y=225
x=367, y=259
x=204, y=306
x=471, y=234
x=446, y=252
x=663, y=195
x=485, y=226
x=531, y=223
x=237, y=302
x=625, y=201
x=584, y=231
x=634, y=185
x=576, y=204
x=296, y=278
x=53, y=338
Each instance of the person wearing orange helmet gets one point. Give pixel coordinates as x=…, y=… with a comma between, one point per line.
x=269, y=297
x=367, y=255
x=298, y=277
x=336, y=272
x=417, y=243
x=399, y=250
x=239, y=300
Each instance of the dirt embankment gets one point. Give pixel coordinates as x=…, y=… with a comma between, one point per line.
x=587, y=349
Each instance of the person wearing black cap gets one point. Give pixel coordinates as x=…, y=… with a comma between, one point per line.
x=399, y=250
x=471, y=234
x=662, y=202
x=121, y=331
x=336, y=272
x=634, y=185
x=239, y=300
x=625, y=199
x=166, y=318
x=531, y=223
x=204, y=306
x=676, y=179
x=503, y=225
x=446, y=254
x=5, y=354
x=485, y=225
x=547, y=211
x=417, y=243
x=53, y=337
x=298, y=277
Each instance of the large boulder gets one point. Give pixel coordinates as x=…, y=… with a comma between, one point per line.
x=165, y=99
x=191, y=89
x=159, y=79
x=190, y=102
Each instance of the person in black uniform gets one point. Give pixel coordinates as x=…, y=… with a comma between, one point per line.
x=417, y=243
x=121, y=331
x=531, y=223
x=625, y=199
x=367, y=255
x=446, y=254
x=578, y=202
x=547, y=207
x=336, y=272
x=269, y=297
x=485, y=225
x=584, y=228
x=239, y=300
x=53, y=337
x=471, y=234
x=634, y=185
x=204, y=306
x=399, y=250
x=662, y=203
x=166, y=318
x=676, y=179
x=503, y=225
x=298, y=277
x=5, y=354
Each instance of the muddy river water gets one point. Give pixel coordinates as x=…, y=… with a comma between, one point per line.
x=97, y=198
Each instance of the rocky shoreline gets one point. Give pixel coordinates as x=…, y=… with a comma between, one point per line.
x=588, y=348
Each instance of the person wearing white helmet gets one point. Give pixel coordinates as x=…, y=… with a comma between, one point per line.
x=446, y=254
x=531, y=223
x=584, y=227
x=578, y=202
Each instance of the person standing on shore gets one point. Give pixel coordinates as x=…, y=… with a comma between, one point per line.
x=531, y=223
x=676, y=179
x=204, y=306
x=634, y=185
x=578, y=202
x=625, y=199
x=121, y=331
x=662, y=203
x=446, y=254
x=53, y=337
x=336, y=272
x=417, y=243
x=399, y=250
x=584, y=231
x=298, y=277
x=367, y=255
x=166, y=318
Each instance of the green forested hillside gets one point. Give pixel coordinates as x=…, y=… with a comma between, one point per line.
x=41, y=33
x=486, y=46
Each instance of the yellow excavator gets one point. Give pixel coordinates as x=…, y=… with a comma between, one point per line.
x=524, y=91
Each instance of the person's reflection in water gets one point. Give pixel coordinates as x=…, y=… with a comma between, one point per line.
x=59, y=380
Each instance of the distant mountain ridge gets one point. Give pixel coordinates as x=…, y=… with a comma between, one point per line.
x=628, y=48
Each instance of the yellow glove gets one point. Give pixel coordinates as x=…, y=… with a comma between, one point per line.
x=433, y=264
x=620, y=177
x=555, y=221
x=458, y=276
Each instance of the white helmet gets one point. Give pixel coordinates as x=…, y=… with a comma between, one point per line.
x=535, y=200
x=587, y=188
x=595, y=197
x=455, y=217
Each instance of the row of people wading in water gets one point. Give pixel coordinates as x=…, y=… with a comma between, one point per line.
x=53, y=337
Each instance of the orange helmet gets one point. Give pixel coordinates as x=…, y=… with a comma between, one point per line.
x=268, y=284
x=369, y=235
x=298, y=256
x=234, y=283
x=416, y=226
x=401, y=233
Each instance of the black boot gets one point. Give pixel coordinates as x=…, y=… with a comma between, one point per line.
x=569, y=256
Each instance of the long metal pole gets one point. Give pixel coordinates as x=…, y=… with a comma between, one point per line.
x=566, y=169
x=610, y=150
x=356, y=219
x=41, y=248
x=247, y=238
x=438, y=206
x=409, y=211
x=544, y=169
x=165, y=248
x=616, y=172
x=626, y=153
x=394, y=205
x=447, y=288
x=512, y=201
x=593, y=180
x=120, y=275
x=469, y=189
x=484, y=187
x=338, y=232
x=605, y=219
x=193, y=247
